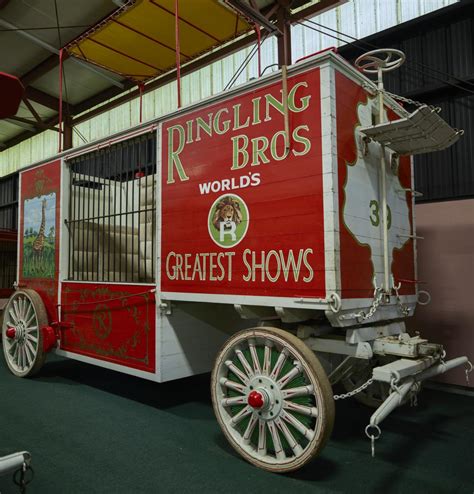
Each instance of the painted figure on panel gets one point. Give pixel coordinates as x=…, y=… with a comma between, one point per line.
x=39, y=237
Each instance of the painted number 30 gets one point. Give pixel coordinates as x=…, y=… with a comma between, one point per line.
x=375, y=214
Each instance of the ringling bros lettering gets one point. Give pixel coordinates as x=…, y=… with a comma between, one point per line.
x=242, y=205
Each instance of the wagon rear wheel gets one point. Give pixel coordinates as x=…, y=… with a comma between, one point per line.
x=272, y=399
x=22, y=338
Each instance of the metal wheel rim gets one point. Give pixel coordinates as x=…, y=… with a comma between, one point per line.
x=21, y=352
x=286, y=434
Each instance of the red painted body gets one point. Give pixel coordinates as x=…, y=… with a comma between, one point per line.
x=49, y=338
x=285, y=210
x=112, y=322
x=356, y=267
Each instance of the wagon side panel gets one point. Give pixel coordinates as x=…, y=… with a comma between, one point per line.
x=233, y=155
x=38, y=266
x=360, y=205
x=110, y=322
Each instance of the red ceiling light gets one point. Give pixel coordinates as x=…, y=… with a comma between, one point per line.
x=11, y=92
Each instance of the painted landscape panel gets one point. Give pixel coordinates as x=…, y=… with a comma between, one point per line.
x=39, y=235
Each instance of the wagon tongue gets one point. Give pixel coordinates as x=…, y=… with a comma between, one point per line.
x=11, y=333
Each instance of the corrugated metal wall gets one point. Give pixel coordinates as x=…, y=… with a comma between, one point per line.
x=436, y=51
x=358, y=18
x=9, y=202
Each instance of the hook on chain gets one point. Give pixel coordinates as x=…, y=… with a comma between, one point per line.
x=373, y=437
x=468, y=370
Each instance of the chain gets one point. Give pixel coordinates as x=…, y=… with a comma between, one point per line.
x=405, y=310
x=397, y=97
x=378, y=295
x=20, y=477
x=362, y=316
x=402, y=98
x=354, y=391
x=468, y=370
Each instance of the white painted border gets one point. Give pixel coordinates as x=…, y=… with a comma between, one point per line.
x=107, y=365
x=20, y=212
x=295, y=302
x=330, y=180
x=158, y=240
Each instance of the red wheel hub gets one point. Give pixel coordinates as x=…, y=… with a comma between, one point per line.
x=11, y=333
x=255, y=399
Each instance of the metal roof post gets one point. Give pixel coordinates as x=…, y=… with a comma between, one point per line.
x=284, y=39
x=177, y=49
x=67, y=132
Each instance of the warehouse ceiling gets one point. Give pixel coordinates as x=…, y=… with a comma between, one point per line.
x=106, y=53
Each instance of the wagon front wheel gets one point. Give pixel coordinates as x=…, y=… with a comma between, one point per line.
x=272, y=399
x=22, y=337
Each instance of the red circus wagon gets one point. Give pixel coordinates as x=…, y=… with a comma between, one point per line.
x=266, y=234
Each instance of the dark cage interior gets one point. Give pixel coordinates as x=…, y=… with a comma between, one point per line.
x=112, y=209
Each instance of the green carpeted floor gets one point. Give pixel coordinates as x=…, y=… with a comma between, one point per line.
x=96, y=431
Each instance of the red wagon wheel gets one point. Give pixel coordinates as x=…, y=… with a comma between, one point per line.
x=22, y=338
x=272, y=399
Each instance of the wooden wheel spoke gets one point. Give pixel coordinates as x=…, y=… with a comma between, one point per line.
x=13, y=317
x=27, y=323
x=279, y=363
x=16, y=309
x=241, y=415
x=262, y=438
x=21, y=356
x=12, y=346
x=24, y=306
x=235, y=400
x=290, y=375
x=29, y=355
x=299, y=391
x=250, y=428
x=279, y=453
x=301, y=428
x=30, y=308
x=30, y=346
x=30, y=329
x=254, y=355
x=290, y=439
x=233, y=368
x=20, y=308
x=32, y=338
x=267, y=358
x=244, y=362
x=304, y=410
x=232, y=385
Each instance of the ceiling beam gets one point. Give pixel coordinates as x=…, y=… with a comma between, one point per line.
x=44, y=99
x=249, y=12
x=316, y=9
x=27, y=135
x=41, y=69
x=30, y=123
x=55, y=50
